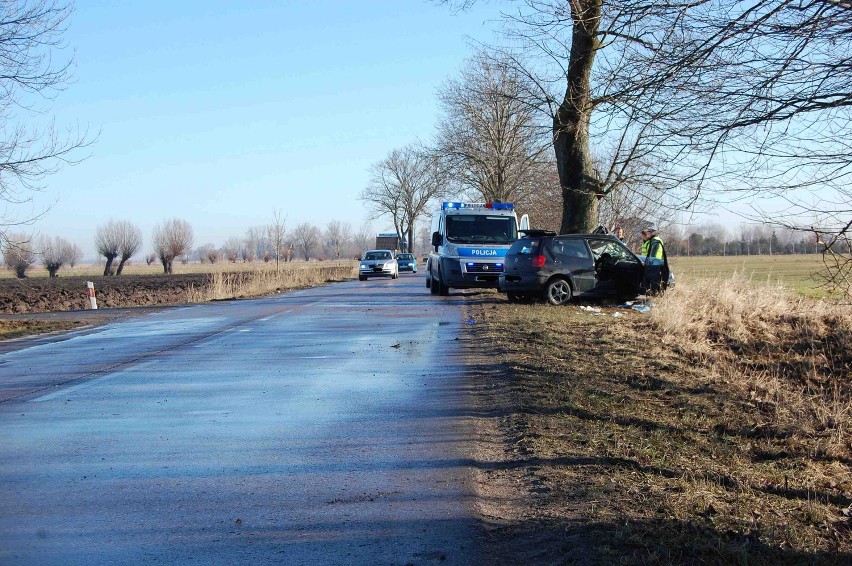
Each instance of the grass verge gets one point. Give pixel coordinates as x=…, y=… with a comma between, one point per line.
x=715, y=431
x=18, y=328
x=233, y=285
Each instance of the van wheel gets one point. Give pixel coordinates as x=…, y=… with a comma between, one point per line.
x=433, y=285
x=428, y=282
x=443, y=290
x=558, y=292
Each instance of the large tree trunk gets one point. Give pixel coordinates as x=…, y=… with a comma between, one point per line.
x=108, y=266
x=121, y=264
x=580, y=187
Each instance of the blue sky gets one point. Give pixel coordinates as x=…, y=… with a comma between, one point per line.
x=218, y=112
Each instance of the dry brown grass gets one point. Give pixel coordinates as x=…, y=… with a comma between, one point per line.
x=259, y=282
x=790, y=356
x=714, y=432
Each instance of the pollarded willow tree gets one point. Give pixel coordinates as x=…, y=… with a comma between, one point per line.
x=172, y=239
x=117, y=240
x=55, y=252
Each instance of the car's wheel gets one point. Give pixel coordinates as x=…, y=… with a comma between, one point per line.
x=558, y=292
x=395, y=274
x=362, y=278
x=428, y=281
x=513, y=297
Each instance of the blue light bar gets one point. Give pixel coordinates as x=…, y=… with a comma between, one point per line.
x=489, y=205
x=470, y=264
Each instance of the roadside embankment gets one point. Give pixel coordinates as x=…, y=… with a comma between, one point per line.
x=716, y=430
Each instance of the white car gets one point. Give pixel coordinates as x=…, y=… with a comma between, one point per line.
x=378, y=263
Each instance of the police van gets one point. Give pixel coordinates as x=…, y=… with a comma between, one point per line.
x=469, y=242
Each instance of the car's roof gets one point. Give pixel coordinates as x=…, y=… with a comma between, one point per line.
x=371, y=251
x=549, y=234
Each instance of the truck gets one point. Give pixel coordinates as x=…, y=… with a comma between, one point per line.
x=469, y=242
x=388, y=241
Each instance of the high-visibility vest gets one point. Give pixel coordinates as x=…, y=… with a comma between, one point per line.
x=653, y=247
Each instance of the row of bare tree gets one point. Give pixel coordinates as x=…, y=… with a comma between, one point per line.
x=120, y=240
x=20, y=253
x=306, y=241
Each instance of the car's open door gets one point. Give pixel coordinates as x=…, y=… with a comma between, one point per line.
x=524, y=224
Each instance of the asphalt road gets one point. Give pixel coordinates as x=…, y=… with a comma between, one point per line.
x=323, y=426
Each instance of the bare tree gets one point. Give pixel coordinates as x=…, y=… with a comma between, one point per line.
x=18, y=254
x=717, y=100
x=207, y=252
x=402, y=185
x=257, y=243
x=306, y=237
x=108, y=242
x=55, y=252
x=75, y=254
x=489, y=134
x=117, y=239
x=363, y=239
x=232, y=249
x=276, y=235
x=129, y=242
x=172, y=239
x=336, y=238
x=31, y=70
x=539, y=204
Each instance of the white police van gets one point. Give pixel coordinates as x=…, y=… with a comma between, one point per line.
x=469, y=242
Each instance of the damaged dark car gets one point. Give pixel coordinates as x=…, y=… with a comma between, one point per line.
x=560, y=268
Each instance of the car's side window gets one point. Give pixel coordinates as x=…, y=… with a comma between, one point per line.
x=615, y=250
x=570, y=248
x=525, y=247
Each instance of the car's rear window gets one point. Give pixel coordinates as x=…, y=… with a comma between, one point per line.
x=525, y=246
x=405, y=256
x=570, y=248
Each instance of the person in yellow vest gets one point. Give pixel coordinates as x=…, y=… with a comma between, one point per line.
x=652, y=245
x=656, y=262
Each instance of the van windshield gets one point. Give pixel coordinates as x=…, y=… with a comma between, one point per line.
x=481, y=229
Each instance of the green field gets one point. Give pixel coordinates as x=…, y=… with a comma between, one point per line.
x=798, y=272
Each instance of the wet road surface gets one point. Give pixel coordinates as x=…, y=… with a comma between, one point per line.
x=322, y=426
